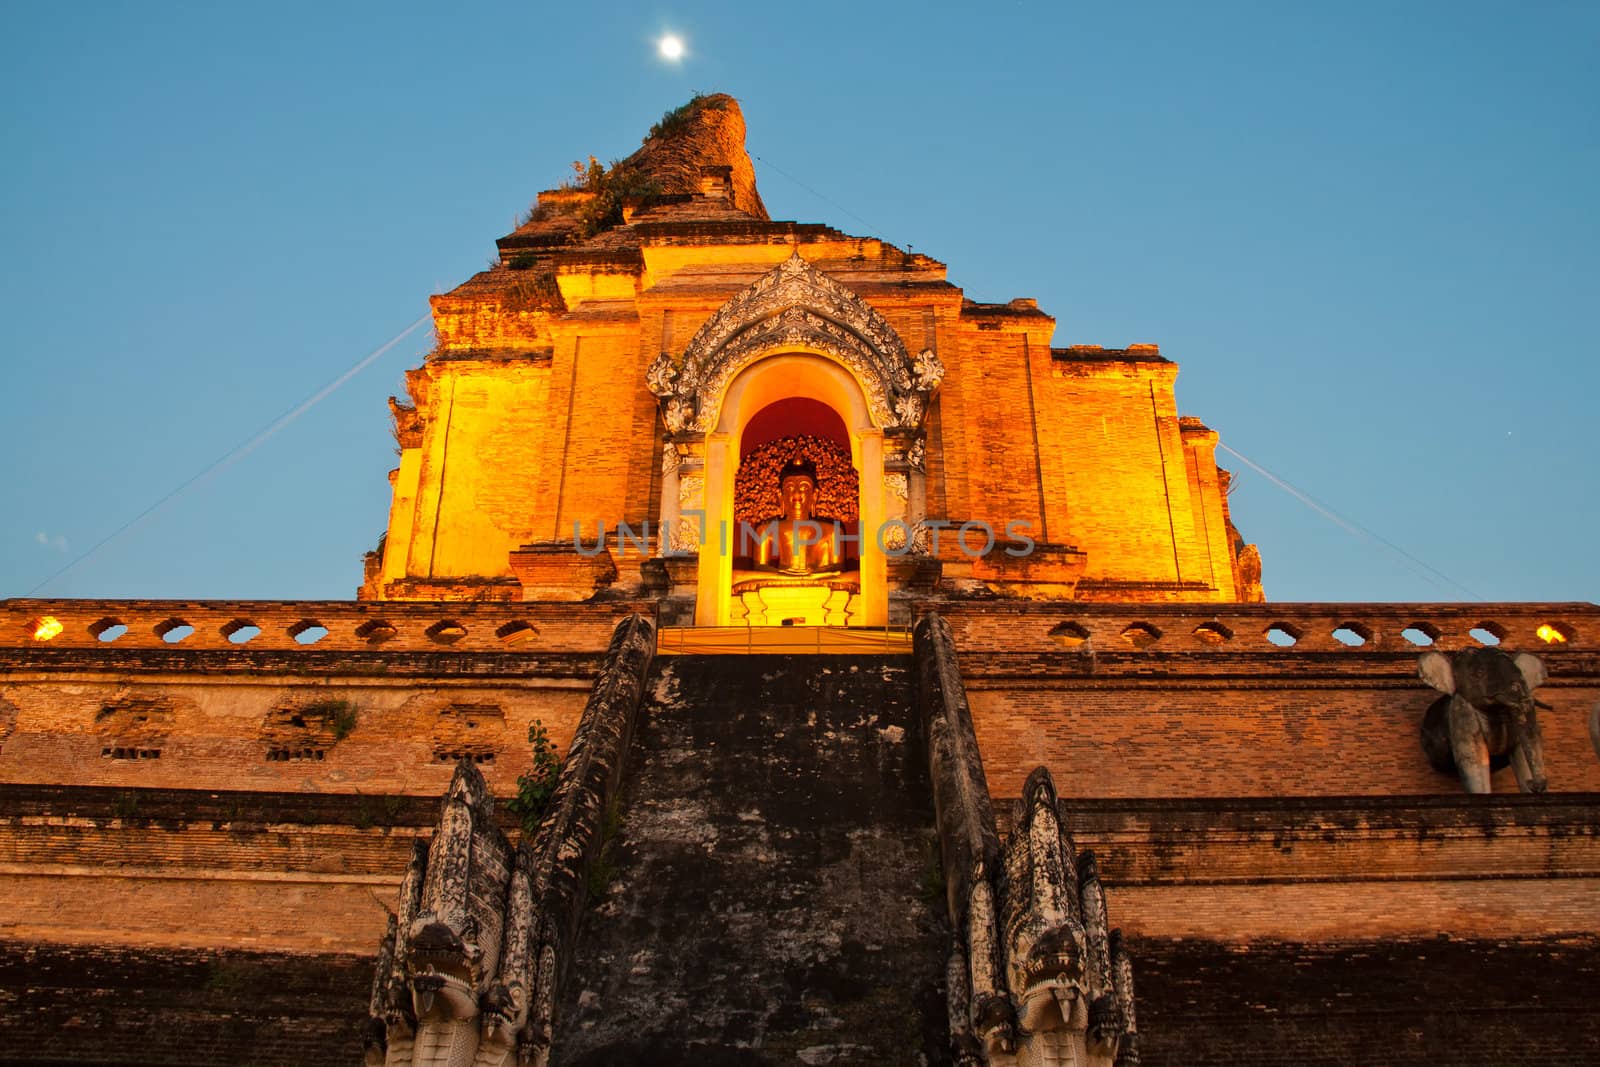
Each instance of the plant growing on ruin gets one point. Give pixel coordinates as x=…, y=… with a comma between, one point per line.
x=536, y=212
x=536, y=290
x=612, y=187
x=343, y=720
x=537, y=785
x=677, y=119
x=334, y=714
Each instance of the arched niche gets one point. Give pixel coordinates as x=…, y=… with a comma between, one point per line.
x=759, y=385
x=789, y=417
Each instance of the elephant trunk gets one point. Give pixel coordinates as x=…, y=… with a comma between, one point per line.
x=1527, y=747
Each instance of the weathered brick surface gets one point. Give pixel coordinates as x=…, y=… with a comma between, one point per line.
x=1487, y=1001
x=1315, y=869
x=205, y=713
x=1223, y=712
x=99, y=1004
x=1208, y=501
x=285, y=871
x=1243, y=841
x=405, y=738
x=1121, y=738
x=987, y=415
x=1353, y=907
x=1113, y=426
x=292, y=912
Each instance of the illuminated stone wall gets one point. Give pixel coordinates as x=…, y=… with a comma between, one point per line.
x=533, y=415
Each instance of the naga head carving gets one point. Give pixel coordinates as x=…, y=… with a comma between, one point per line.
x=504, y=1011
x=1050, y=982
x=995, y=1024
x=1051, y=992
x=448, y=947
x=1045, y=943
x=1106, y=1022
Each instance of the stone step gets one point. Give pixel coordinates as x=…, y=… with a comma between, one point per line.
x=770, y=892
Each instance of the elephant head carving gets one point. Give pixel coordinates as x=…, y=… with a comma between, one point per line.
x=1487, y=716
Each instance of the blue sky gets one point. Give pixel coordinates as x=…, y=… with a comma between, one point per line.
x=1366, y=231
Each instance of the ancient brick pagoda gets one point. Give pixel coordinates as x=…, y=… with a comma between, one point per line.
x=627, y=375
x=915, y=696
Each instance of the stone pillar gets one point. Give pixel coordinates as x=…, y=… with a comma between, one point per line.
x=667, y=521
x=916, y=497
x=874, y=564
x=716, y=550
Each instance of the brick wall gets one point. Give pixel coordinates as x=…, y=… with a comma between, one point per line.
x=189, y=868
x=987, y=431
x=1310, y=869
x=1107, y=427
x=1489, y=1002
x=406, y=733
x=1223, y=712
x=205, y=713
x=108, y=1004
x=1133, y=738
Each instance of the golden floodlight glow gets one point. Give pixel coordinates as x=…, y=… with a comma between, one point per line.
x=1550, y=635
x=671, y=47
x=47, y=627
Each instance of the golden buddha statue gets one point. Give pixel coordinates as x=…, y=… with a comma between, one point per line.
x=796, y=542
x=798, y=574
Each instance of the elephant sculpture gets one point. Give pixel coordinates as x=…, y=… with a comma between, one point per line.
x=1487, y=717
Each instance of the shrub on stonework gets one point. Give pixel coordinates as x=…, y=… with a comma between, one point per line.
x=537, y=785
x=612, y=188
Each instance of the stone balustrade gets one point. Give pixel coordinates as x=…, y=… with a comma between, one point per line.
x=992, y=626
x=978, y=626
x=323, y=625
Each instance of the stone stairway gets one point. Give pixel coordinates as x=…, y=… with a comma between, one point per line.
x=769, y=890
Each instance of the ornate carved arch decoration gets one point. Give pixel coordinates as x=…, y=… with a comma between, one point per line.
x=795, y=306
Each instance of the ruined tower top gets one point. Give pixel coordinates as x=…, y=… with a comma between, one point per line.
x=696, y=152
x=704, y=135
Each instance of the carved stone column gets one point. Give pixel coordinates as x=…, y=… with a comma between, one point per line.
x=716, y=558
x=874, y=563
x=667, y=521
x=916, y=488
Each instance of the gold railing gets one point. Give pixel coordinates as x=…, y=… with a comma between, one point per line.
x=783, y=640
